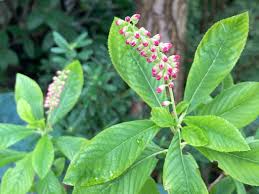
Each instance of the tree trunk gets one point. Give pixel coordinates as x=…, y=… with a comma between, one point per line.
x=168, y=18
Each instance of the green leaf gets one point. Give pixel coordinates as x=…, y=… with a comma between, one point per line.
x=133, y=68
x=8, y=156
x=49, y=185
x=110, y=153
x=194, y=136
x=238, y=104
x=4, y=41
x=242, y=166
x=24, y=111
x=222, y=135
x=60, y=41
x=227, y=82
x=69, y=145
x=181, y=107
x=19, y=179
x=28, y=90
x=43, y=156
x=130, y=182
x=162, y=117
x=58, y=166
x=180, y=172
x=239, y=187
x=150, y=187
x=225, y=185
x=70, y=93
x=11, y=134
x=215, y=56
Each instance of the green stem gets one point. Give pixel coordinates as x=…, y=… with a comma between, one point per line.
x=173, y=103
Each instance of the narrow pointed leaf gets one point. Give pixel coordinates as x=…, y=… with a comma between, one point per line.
x=133, y=68
x=215, y=57
x=180, y=173
x=110, y=153
x=222, y=135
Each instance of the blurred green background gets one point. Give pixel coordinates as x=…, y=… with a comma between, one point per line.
x=31, y=37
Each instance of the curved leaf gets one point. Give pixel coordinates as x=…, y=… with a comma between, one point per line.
x=222, y=135
x=18, y=179
x=130, y=182
x=7, y=156
x=216, y=55
x=43, y=156
x=194, y=136
x=180, y=174
x=133, y=68
x=70, y=93
x=28, y=90
x=238, y=104
x=11, y=134
x=243, y=166
x=110, y=153
x=162, y=117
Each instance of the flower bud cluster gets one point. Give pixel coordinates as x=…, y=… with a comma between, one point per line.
x=55, y=89
x=152, y=49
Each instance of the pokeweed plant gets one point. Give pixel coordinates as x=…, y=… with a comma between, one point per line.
x=121, y=158
x=40, y=170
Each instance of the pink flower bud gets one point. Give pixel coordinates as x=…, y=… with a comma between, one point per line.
x=148, y=33
x=127, y=41
x=149, y=60
x=154, y=56
x=153, y=49
x=169, y=70
x=161, y=65
x=133, y=43
x=177, y=64
x=156, y=42
x=164, y=58
x=166, y=103
x=176, y=58
x=137, y=16
x=159, y=76
x=137, y=35
x=166, y=77
x=156, y=37
x=119, y=22
x=171, y=85
x=145, y=43
x=165, y=47
x=143, y=53
x=127, y=19
x=160, y=89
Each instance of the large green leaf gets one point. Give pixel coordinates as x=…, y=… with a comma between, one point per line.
x=180, y=173
x=133, y=68
x=110, y=153
x=28, y=90
x=7, y=156
x=225, y=185
x=222, y=135
x=227, y=82
x=70, y=145
x=243, y=166
x=49, y=185
x=194, y=136
x=71, y=92
x=130, y=182
x=19, y=179
x=43, y=156
x=216, y=55
x=162, y=117
x=150, y=187
x=10, y=134
x=238, y=104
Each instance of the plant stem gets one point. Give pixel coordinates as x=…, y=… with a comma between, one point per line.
x=216, y=181
x=173, y=103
